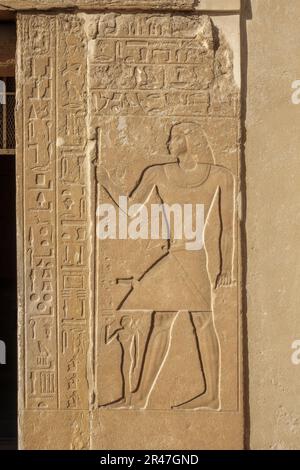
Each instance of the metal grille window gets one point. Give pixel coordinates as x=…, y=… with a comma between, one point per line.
x=7, y=116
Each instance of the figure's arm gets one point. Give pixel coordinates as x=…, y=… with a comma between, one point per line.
x=227, y=198
x=109, y=337
x=107, y=184
x=143, y=189
x=140, y=193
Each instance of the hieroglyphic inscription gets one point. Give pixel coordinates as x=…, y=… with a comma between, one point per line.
x=158, y=65
x=73, y=253
x=38, y=65
x=55, y=211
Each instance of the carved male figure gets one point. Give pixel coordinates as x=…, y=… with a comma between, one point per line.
x=184, y=280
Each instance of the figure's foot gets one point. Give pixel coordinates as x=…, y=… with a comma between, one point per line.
x=122, y=403
x=138, y=402
x=205, y=401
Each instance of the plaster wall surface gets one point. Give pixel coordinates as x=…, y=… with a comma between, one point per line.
x=273, y=208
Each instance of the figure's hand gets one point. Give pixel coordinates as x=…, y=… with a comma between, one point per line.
x=132, y=282
x=224, y=279
x=109, y=321
x=104, y=177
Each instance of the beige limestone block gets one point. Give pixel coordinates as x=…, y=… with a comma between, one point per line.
x=54, y=222
x=204, y=5
x=164, y=106
x=273, y=169
x=51, y=430
x=119, y=334
x=98, y=4
x=129, y=430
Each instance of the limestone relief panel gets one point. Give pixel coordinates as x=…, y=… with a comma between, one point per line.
x=164, y=109
x=137, y=117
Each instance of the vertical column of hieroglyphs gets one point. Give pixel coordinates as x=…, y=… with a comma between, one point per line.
x=72, y=213
x=156, y=80
x=53, y=77
x=37, y=78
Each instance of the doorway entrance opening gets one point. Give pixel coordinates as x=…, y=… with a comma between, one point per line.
x=8, y=269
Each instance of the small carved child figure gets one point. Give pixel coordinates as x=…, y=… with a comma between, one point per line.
x=127, y=336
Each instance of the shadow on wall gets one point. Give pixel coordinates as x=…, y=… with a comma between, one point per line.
x=8, y=302
x=246, y=15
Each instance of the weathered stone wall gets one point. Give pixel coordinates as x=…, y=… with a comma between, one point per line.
x=55, y=226
x=62, y=147
x=151, y=79
x=197, y=5
x=146, y=106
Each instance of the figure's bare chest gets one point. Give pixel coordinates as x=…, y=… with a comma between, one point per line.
x=204, y=193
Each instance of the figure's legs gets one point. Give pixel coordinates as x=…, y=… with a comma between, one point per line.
x=210, y=358
x=126, y=372
x=156, y=352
